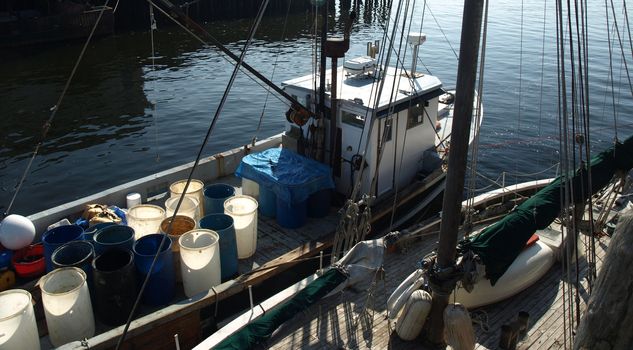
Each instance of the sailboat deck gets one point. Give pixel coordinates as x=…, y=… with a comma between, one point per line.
x=358, y=320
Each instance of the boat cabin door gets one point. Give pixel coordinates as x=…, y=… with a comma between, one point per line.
x=353, y=140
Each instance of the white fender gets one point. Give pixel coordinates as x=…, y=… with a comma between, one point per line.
x=401, y=294
x=413, y=317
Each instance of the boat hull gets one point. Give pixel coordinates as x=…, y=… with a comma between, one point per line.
x=531, y=264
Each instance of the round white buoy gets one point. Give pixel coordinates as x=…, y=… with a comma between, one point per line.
x=16, y=232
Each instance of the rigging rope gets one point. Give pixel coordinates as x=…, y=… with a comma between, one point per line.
x=49, y=122
x=251, y=35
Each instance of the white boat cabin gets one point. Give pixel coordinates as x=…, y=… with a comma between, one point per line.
x=406, y=120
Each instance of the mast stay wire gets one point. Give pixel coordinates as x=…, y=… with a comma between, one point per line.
x=611, y=76
x=540, y=106
x=206, y=44
x=376, y=92
x=562, y=125
x=569, y=198
x=617, y=31
x=410, y=79
x=520, y=68
x=339, y=241
x=227, y=90
x=391, y=97
x=272, y=75
x=152, y=28
x=49, y=122
x=442, y=30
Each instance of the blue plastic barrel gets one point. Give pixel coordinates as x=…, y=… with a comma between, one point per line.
x=92, y=230
x=57, y=236
x=319, y=204
x=111, y=237
x=223, y=225
x=291, y=215
x=162, y=281
x=75, y=254
x=267, y=202
x=214, y=197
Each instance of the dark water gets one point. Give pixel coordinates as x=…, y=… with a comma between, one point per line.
x=123, y=118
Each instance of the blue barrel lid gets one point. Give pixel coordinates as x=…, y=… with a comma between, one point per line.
x=5, y=258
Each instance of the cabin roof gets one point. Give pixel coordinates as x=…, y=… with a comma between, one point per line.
x=364, y=87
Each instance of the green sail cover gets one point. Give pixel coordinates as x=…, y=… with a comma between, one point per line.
x=262, y=328
x=499, y=244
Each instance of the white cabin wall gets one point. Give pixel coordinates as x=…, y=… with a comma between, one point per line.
x=418, y=139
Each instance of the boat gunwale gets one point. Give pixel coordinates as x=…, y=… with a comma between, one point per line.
x=212, y=167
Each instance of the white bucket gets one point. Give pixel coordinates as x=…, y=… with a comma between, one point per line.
x=67, y=305
x=195, y=190
x=145, y=219
x=250, y=188
x=199, y=260
x=189, y=207
x=243, y=210
x=18, y=329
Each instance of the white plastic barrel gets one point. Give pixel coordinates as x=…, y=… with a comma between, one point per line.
x=18, y=329
x=67, y=305
x=195, y=190
x=199, y=260
x=181, y=225
x=250, y=188
x=189, y=207
x=243, y=210
x=145, y=219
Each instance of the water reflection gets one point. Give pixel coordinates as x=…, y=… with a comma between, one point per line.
x=124, y=118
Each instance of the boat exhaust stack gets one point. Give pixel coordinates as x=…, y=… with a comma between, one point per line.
x=415, y=39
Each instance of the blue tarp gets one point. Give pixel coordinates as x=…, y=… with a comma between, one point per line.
x=293, y=178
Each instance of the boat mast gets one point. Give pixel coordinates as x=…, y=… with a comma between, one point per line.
x=322, y=63
x=442, y=276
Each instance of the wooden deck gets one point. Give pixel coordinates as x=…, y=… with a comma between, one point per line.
x=358, y=320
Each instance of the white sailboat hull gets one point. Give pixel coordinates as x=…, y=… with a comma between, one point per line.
x=527, y=268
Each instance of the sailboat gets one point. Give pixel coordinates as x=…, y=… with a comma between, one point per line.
x=391, y=123
x=495, y=263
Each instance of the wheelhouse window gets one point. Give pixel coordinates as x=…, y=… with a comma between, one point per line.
x=416, y=115
x=353, y=119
